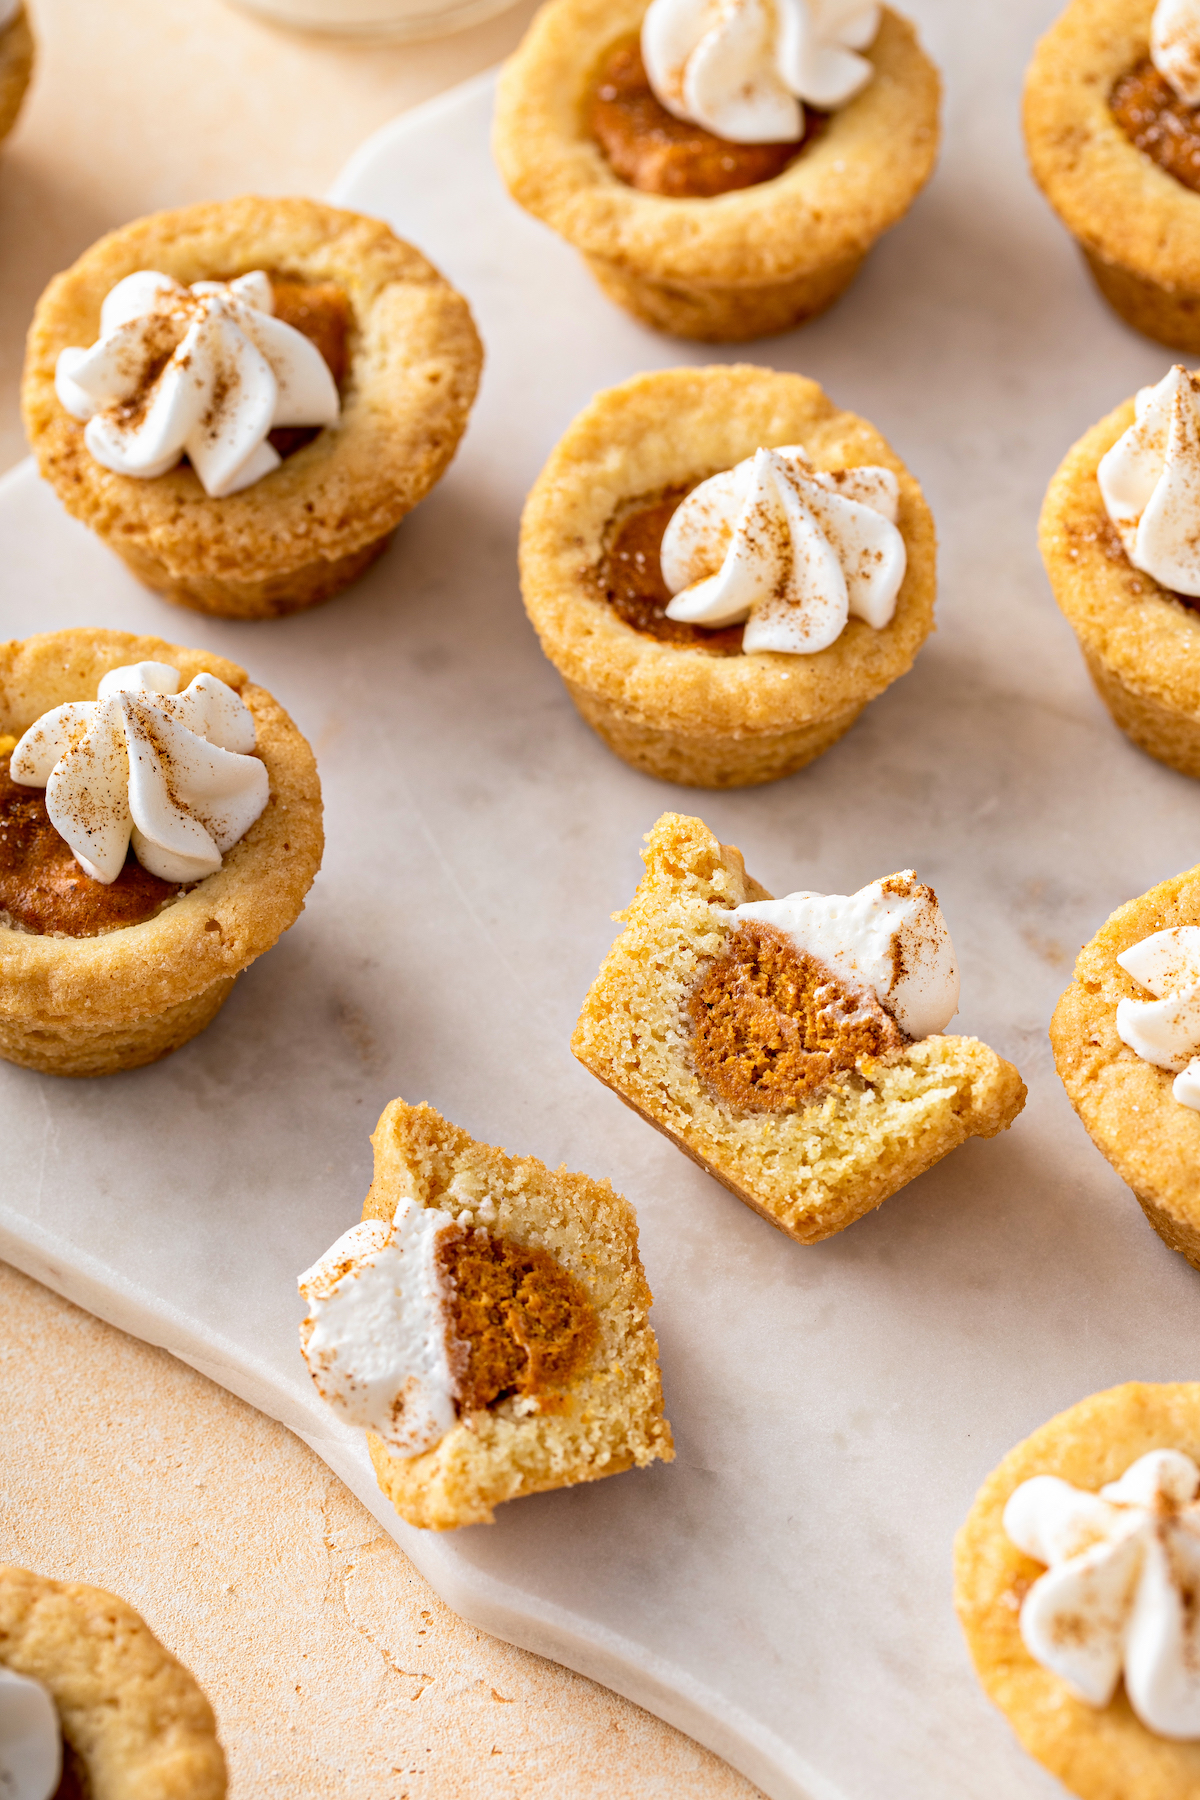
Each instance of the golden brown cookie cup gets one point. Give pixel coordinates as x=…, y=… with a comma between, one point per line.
x=1140, y=642
x=682, y=714
x=759, y=260
x=304, y=532
x=16, y=67
x=1098, y=1753
x=92, y=1006
x=134, y=1722
x=1151, y=1139
x=1138, y=228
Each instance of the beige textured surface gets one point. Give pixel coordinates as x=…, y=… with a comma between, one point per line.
x=334, y=1670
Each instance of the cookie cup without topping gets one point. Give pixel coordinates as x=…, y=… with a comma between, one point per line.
x=131, y=1716
x=1151, y=1139
x=16, y=66
x=1141, y=643
x=92, y=1006
x=1138, y=227
x=683, y=714
x=609, y=1417
x=740, y=265
x=1098, y=1753
x=307, y=530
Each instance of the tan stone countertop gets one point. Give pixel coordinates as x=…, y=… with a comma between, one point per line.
x=333, y=1668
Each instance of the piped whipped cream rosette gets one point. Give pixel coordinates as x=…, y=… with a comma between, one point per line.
x=1165, y=1031
x=30, y=1734
x=1118, y=1594
x=1150, y=483
x=744, y=69
x=890, y=940
x=171, y=773
x=377, y=1339
x=204, y=371
x=1175, y=46
x=793, y=551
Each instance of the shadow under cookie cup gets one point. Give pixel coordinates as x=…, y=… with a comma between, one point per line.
x=1137, y=226
x=1098, y=1753
x=1141, y=642
x=133, y=1720
x=301, y=534
x=683, y=714
x=16, y=67
x=739, y=265
x=1125, y=1103
x=94, y=1005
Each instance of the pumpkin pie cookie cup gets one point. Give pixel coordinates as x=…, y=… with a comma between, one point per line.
x=1099, y=1753
x=1140, y=641
x=1125, y=1102
x=16, y=66
x=682, y=713
x=1137, y=226
x=94, y=1005
x=134, y=1722
x=738, y=265
x=301, y=534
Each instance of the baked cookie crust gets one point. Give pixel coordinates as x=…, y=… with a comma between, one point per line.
x=1151, y=1139
x=739, y=265
x=302, y=533
x=1138, y=228
x=1100, y=1754
x=610, y=1417
x=130, y=1712
x=16, y=67
x=91, y=1006
x=1140, y=642
x=811, y=1172
x=682, y=714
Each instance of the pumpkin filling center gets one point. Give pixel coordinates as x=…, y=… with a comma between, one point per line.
x=630, y=579
x=520, y=1324
x=1158, y=123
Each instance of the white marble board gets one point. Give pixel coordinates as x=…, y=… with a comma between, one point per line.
x=782, y=1591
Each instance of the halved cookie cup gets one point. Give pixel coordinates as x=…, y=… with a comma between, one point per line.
x=304, y=532
x=684, y=714
x=761, y=259
x=16, y=67
x=134, y=1722
x=1151, y=1139
x=1099, y=1754
x=95, y=1005
x=1141, y=642
x=1137, y=226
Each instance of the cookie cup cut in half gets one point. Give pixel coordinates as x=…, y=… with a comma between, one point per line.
x=1137, y=226
x=609, y=1415
x=680, y=712
x=738, y=265
x=1125, y=1102
x=133, y=1721
x=303, y=532
x=1140, y=641
x=92, y=1005
x=810, y=1168
x=1099, y=1753
x=16, y=66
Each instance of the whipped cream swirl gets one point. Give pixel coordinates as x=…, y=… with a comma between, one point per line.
x=743, y=69
x=377, y=1340
x=1175, y=46
x=170, y=773
x=1150, y=483
x=1166, y=1030
x=205, y=371
x=30, y=1736
x=889, y=939
x=793, y=551
x=1118, y=1595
